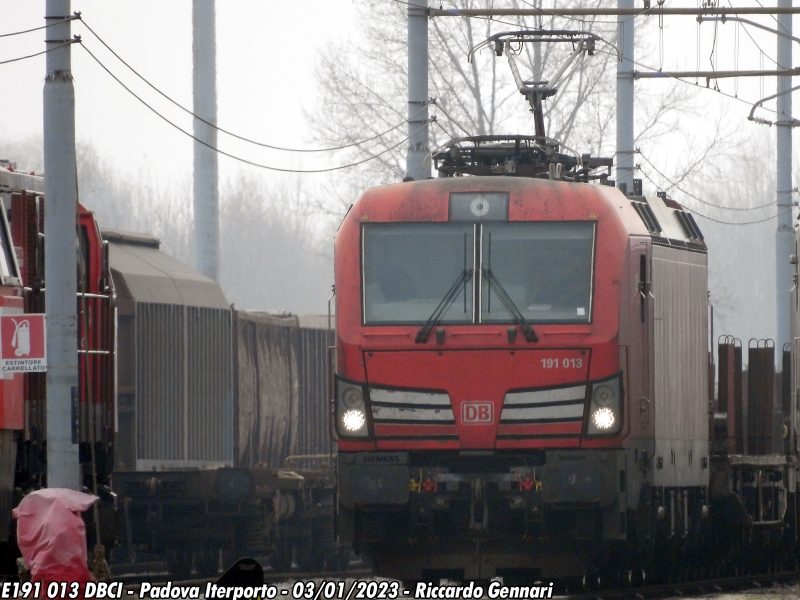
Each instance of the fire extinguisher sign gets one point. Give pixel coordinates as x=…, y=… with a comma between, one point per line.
x=22, y=343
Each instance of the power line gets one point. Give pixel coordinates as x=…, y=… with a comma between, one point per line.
x=672, y=183
x=452, y=120
x=239, y=137
x=3, y=62
x=704, y=202
x=2, y=35
x=238, y=158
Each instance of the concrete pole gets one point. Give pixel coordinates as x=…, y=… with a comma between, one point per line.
x=206, y=201
x=784, y=245
x=418, y=160
x=625, y=139
x=61, y=207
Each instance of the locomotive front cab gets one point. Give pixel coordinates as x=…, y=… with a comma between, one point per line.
x=479, y=395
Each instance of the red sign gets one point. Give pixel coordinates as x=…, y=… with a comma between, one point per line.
x=477, y=413
x=22, y=343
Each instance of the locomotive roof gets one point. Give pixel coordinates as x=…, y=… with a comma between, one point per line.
x=144, y=273
x=662, y=218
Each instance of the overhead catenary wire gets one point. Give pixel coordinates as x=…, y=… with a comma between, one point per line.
x=692, y=83
x=580, y=20
x=233, y=156
x=235, y=135
x=752, y=39
x=494, y=20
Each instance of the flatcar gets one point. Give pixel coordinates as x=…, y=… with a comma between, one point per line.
x=522, y=377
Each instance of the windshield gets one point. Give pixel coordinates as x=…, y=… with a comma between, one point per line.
x=545, y=268
x=409, y=268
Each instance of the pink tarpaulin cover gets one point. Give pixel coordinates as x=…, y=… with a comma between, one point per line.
x=51, y=534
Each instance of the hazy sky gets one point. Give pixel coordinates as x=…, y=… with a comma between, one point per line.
x=265, y=55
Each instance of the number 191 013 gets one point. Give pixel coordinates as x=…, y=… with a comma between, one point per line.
x=562, y=363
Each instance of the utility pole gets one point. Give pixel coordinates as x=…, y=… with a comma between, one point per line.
x=784, y=245
x=418, y=159
x=625, y=139
x=206, y=196
x=60, y=216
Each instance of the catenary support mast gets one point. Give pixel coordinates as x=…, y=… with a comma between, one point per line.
x=206, y=203
x=61, y=208
x=418, y=160
x=784, y=245
x=625, y=140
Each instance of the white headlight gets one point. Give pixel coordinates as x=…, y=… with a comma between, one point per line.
x=604, y=395
x=353, y=397
x=353, y=420
x=603, y=418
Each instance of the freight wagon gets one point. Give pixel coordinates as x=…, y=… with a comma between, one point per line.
x=222, y=448
x=209, y=424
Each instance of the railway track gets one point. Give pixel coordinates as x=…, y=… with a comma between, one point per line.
x=693, y=588
x=733, y=584
x=132, y=581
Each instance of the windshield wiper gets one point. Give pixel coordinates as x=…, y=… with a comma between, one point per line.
x=449, y=297
x=527, y=330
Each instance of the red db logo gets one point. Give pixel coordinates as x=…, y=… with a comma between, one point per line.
x=477, y=413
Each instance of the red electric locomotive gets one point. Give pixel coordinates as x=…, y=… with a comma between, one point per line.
x=504, y=403
x=522, y=368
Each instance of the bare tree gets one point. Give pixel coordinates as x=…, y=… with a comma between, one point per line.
x=363, y=85
x=274, y=254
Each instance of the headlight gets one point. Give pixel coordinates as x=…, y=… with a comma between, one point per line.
x=351, y=413
x=354, y=420
x=604, y=395
x=603, y=418
x=605, y=413
x=353, y=397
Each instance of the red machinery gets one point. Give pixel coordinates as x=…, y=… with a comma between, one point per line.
x=26, y=467
x=12, y=408
x=503, y=403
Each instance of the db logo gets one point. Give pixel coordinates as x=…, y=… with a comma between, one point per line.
x=477, y=413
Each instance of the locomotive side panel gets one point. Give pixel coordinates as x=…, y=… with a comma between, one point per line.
x=680, y=328
x=633, y=339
